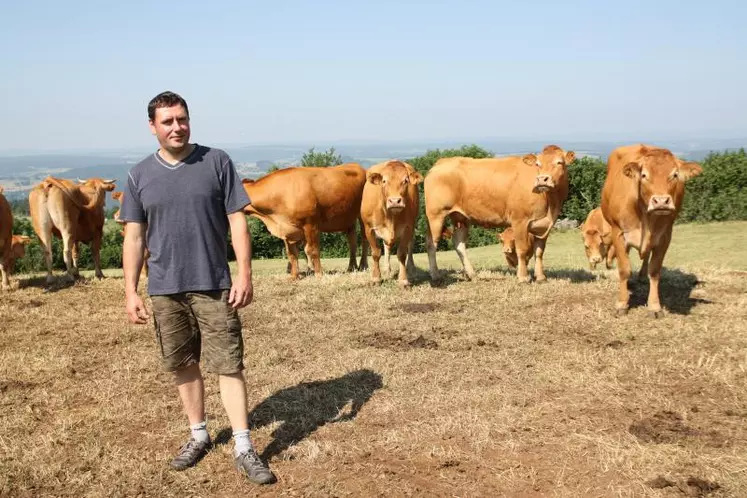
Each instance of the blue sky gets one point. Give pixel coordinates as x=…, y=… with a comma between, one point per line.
x=79, y=74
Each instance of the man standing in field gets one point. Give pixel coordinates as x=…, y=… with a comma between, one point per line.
x=183, y=198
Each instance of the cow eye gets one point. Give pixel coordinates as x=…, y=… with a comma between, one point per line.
x=676, y=174
x=405, y=181
x=644, y=175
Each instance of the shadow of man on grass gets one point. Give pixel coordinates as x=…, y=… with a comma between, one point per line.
x=304, y=408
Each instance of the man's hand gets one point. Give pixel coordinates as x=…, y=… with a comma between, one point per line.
x=136, y=311
x=242, y=291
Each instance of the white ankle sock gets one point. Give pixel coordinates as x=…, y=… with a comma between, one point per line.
x=241, y=441
x=200, y=433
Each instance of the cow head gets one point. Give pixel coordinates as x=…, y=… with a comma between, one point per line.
x=594, y=246
x=552, y=163
x=394, y=179
x=18, y=245
x=661, y=180
x=509, y=246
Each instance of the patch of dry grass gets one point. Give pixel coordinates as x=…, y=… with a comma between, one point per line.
x=483, y=388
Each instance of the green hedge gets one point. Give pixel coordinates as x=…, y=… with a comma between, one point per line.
x=718, y=194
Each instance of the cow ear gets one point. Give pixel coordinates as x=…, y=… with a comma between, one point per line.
x=415, y=177
x=374, y=178
x=690, y=170
x=632, y=170
x=570, y=156
x=530, y=159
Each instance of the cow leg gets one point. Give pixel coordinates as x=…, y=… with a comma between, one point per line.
x=375, y=254
x=654, y=274
x=4, y=271
x=387, y=260
x=312, y=248
x=291, y=250
x=76, y=252
x=461, y=233
x=364, y=248
x=623, y=269
x=610, y=257
x=67, y=256
x=96, y=253
x=643, y=272
x=353, y=246
x=523, y=251
x=404, y=254
x=410, y=258
x=539, y=267
x=45, y=240
x=432, y=236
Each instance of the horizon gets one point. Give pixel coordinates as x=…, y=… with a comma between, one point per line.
x=80, y=76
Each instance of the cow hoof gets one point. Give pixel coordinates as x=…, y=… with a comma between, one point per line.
x=524, y=280
x=541, y=280
x=656, y=314
x=405, y=284
x=622, y=311
x=375, y=282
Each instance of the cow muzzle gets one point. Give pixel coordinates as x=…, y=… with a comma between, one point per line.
x=543, y=183
x=661, y=204
x=395, y=203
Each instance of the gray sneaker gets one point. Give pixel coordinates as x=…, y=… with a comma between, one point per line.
x=255, y=469
x=189, y=454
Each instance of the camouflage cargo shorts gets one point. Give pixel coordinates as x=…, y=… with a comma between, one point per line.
x=194, y=325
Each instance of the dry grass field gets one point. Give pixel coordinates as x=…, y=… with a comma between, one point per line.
x=482, y=388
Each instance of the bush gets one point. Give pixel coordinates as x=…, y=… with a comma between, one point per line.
x=720, y=192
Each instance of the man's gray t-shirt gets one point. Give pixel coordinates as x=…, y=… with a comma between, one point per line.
x=186, y=207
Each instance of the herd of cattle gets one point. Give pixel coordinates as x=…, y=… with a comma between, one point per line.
x=641, y=197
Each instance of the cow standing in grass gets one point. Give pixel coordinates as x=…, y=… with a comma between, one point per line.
x=641, y=197
x=297, y=204
x=389, y=211
x=526, y=193
x=12, y=247
x=75, y=213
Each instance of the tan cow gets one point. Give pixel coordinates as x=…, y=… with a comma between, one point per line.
x=12, y=246
x=509, y=247
x=596, y=233
x=525, y=193
x=297, y=204
x=119, y=196
x=389, y=210
x=641, y=198
x=72, y=212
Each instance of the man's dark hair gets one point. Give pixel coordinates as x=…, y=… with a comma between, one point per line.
x=165, y=99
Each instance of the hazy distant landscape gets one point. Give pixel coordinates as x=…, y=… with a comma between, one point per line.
x=20, y=171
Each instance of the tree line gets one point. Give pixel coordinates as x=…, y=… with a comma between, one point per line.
x=718, y=194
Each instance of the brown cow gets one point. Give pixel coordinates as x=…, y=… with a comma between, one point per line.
x=509, y=247
x=12, y=246
x=296, y=204
x=389, y=210
x=641, y=198
x=525, y=193
x=72, y=212
x=596, y=233
x=118, y=196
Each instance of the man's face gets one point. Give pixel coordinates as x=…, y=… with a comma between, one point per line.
x=171, y=127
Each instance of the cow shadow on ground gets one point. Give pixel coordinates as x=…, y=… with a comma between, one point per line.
x=675, y=291
x=58, y=284
x=304, y=408
x=575, y=276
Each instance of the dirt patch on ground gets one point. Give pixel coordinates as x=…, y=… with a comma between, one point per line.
x=419, y=307
x=382, y=340
x=670, y=428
